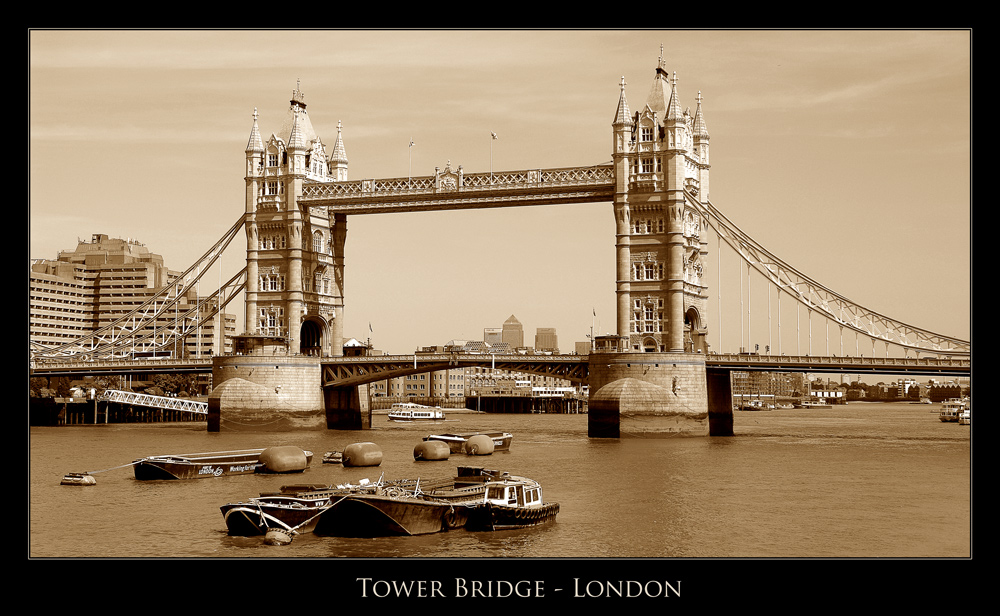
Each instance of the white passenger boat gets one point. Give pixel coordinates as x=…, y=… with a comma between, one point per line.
x=410, y=411
x=951, y=410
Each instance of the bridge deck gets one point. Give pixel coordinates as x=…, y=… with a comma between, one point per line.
x=367, y=369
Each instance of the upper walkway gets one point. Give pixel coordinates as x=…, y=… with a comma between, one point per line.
x=450, y=190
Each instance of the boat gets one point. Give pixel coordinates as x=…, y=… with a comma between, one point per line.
x=456, y=442
x=511, y=502
x=951, y=410
x=283, y=459
x=293, y=509
x=819, y=403
x=965, y=417
x=410, y=411
x=407, y=506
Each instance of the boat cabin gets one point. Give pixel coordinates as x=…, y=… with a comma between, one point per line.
x=524, y=493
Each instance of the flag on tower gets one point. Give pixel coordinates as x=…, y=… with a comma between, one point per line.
x=411, y=143
x=494, y=135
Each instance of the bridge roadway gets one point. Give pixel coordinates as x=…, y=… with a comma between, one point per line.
x=344, y=371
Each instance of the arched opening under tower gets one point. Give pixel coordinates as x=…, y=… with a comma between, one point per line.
x=313, y=336
x=649, y=345
x=695, y=335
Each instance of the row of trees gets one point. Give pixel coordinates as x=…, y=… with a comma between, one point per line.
x=179, y=385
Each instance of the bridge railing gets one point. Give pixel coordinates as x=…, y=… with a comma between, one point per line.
x=819, y=363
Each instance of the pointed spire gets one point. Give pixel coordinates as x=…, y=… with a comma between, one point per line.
x=659, y=94
x=700, y=129
x=622, y=114
x=339, y=154
x=673, y=107
x=255, y=144
x=296, y=140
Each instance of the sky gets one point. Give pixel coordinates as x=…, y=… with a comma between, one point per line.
x=846, y=153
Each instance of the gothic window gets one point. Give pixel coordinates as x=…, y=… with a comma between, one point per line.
x=649, y=272
x=272, y=188
x=647, y=133
x=660, y=225
x=647, y=165
x=660, y=270
x=318, y=242
x=272, y=160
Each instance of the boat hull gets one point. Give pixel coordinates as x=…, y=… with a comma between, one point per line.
x=249, y=520
x=219, y=464
x=490, y=517
x=381, y=515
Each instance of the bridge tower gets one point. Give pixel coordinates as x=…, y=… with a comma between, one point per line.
x=294, y=296
x=652, y=380
x=660, y=152
x=294, y=284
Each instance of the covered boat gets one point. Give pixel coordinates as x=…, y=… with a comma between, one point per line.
x=410, y=411
x=284, y=459
x=407, y=506
x=457, y=441
x=511, y=502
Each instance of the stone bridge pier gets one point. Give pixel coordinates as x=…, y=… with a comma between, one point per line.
x=656, y=395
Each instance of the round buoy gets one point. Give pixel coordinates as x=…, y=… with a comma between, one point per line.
x=431, y=450
x=361, y=454
x=277, y=536
x=78, y=479
x=283, y=459
x=479, y=445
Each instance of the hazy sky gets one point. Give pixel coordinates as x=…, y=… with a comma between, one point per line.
x=844, y=153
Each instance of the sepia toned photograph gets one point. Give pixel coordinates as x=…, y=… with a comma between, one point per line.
x=519, y=298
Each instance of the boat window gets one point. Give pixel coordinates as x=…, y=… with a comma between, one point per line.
x=495, y=493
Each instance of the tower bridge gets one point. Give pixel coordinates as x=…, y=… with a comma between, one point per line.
x=655, y=376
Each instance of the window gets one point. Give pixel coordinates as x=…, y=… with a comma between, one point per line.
x=272, y=160
x=647, y=165
x=647, y=133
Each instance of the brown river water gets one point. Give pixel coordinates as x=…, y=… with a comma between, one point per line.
x=857, y=481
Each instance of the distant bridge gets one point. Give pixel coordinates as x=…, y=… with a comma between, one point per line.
x=345, y=371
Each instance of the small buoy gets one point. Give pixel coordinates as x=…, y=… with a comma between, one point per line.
x=479, y=445
x=431, y=450
x=362, y=454
x=283, y=459
x=277, y=536
x=78, y=479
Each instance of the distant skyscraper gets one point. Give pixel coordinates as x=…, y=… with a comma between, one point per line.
x=493, y=335
x=546, y=340
x=513, y=333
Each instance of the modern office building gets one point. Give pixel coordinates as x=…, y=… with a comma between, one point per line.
x=87, y=288
x=546, y=340
x=513, y=333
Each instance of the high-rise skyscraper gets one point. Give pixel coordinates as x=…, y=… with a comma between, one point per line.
x=513, y=333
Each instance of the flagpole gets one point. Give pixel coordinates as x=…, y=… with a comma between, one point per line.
x=409, y=156
x=493, y=137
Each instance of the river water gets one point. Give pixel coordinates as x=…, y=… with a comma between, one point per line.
x=855, y=481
